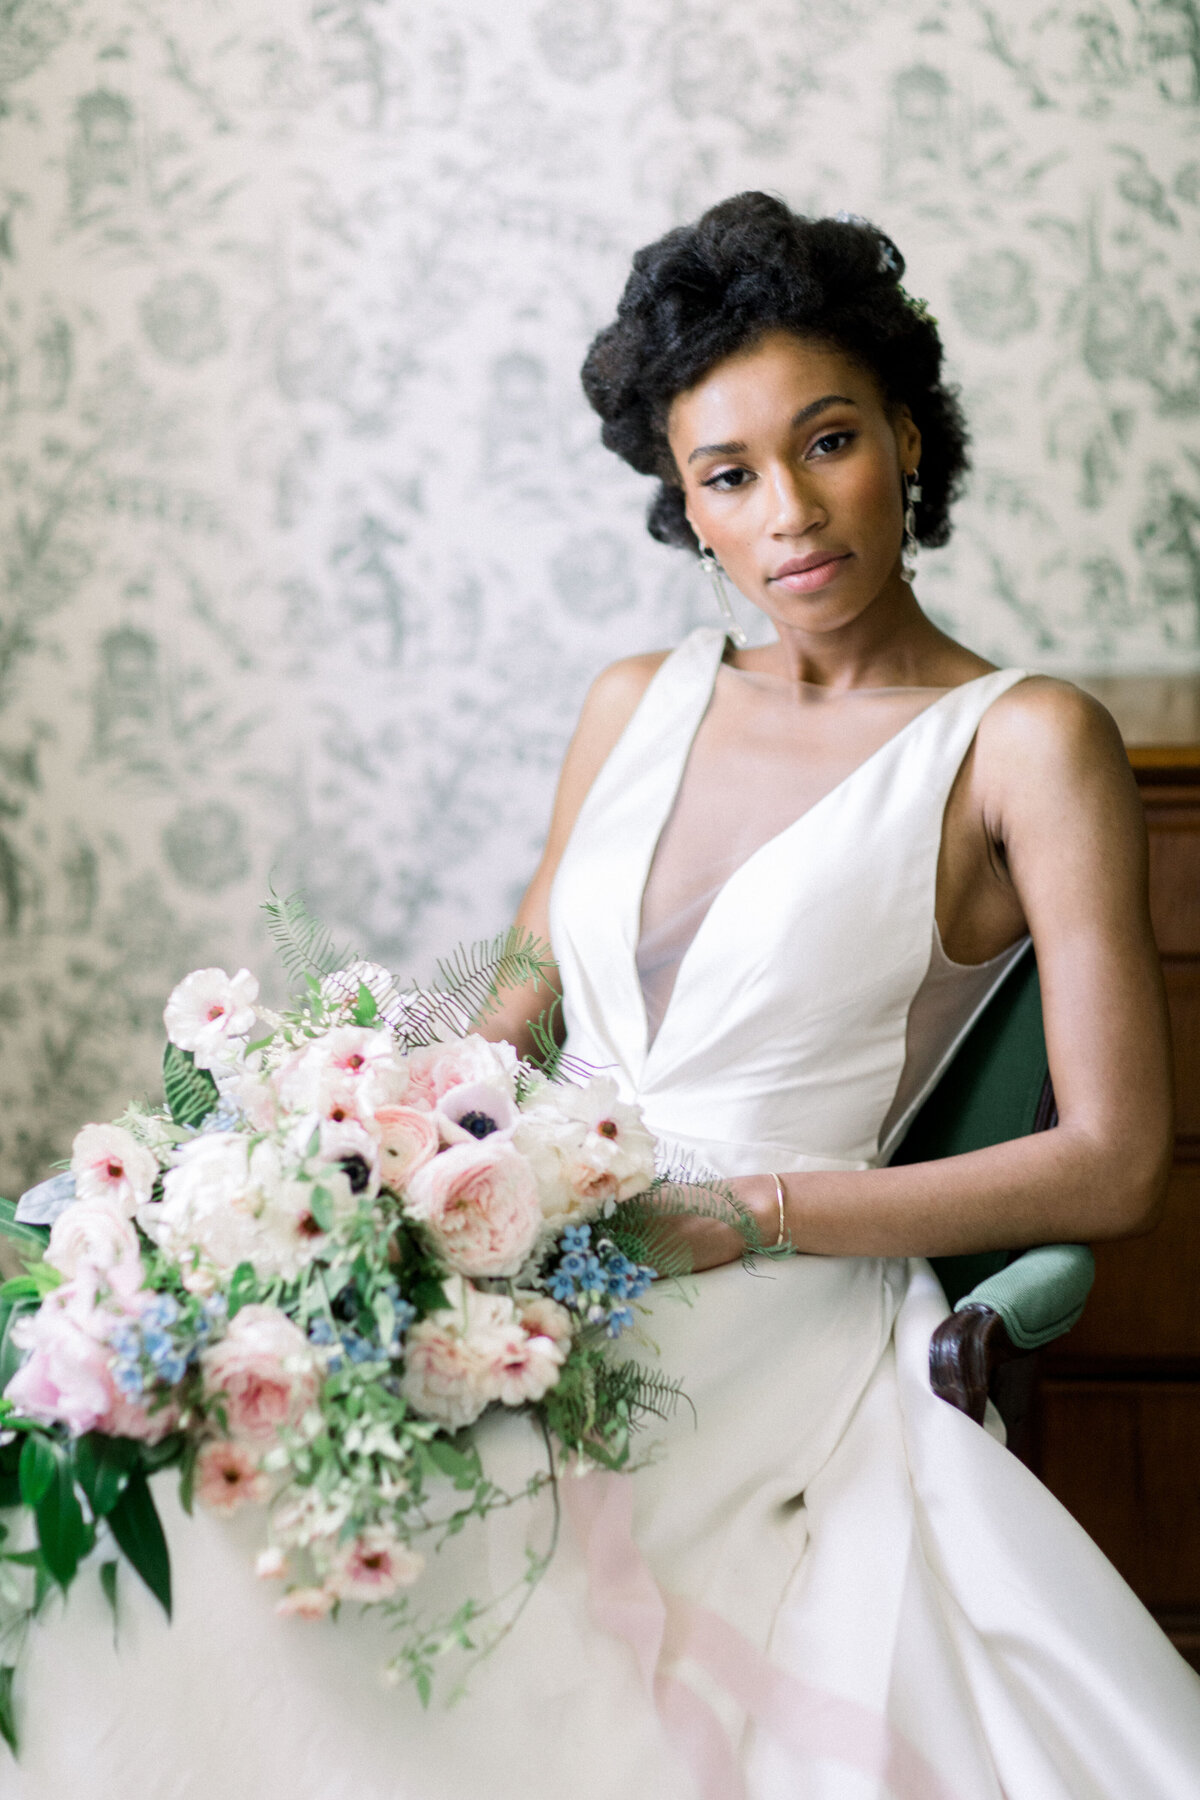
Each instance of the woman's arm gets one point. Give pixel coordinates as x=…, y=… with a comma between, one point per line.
x=1060, y=805
x=610, y=704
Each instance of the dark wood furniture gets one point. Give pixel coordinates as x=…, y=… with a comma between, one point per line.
x=1117, y=1415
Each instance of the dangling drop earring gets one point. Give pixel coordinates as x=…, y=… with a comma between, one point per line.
x=716, y=575
x=908, y=550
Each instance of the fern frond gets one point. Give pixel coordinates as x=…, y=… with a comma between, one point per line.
x=468, y=985
x=476, y=975
x=550, y=1059
x=304, y=945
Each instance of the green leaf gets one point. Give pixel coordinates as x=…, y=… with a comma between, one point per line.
x=108, y=1581
x=191, y=1092
x=37, y=1467
x=366, y=1010
x=10, y=1356
x=8, y=1722
x=461, y=1469
x=135, y=1524
x=63, y=1533
x=103, y=1466
x=45, y=1278
x=33, y=1237
x=243, y=1289
x=21, y=1287
x=320, y=1204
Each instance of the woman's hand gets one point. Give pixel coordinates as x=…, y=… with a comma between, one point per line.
x=710, y=1242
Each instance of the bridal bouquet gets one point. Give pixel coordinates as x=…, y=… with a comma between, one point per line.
x=354, y=1228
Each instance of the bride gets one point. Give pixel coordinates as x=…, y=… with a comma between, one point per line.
x=779, y=883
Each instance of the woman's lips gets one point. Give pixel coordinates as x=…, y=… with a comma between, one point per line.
x=799, y=579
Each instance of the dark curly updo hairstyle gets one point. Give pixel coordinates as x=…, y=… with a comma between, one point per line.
x=750, y=266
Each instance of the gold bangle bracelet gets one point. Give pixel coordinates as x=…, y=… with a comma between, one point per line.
x=778, y=1244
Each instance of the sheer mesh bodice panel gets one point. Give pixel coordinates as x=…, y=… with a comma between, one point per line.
x=767, y=750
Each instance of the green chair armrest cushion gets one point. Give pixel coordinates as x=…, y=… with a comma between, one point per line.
x=1040, y=1295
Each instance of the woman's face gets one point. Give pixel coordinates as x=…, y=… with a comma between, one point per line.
x=791, y=465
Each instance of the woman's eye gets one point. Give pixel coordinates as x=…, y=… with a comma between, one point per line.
x=725, y=480
x=832, y=440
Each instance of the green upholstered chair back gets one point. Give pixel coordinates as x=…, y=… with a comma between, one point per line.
x=996, y=1088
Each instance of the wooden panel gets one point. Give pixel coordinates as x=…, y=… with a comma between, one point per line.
x=1183, y=998
x=1124, y=1458
x=1174, y=824
x=1146, y=1301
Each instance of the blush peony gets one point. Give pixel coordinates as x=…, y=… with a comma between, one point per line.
x=434, y=1071
x=264, y=1373
x=479, y=1201
x=110, y=1165
x=452, y=1356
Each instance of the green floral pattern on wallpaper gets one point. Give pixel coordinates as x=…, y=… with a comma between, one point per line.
x=309, y=549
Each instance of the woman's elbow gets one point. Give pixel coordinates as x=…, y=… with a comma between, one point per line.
x=1133, y=1182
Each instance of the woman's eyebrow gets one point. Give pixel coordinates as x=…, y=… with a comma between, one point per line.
x=736, y=447
x=815, y=406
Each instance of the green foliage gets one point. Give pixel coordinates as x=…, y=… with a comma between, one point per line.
x=103, y=1466
x=598, y=1403
x=305, y=946
x=8, y=1723
x=108, y=1585
x=191, y=1093
x=243, y=1288
x=468, y=985
x=135, y=1524
x=32, y=1238
x=47, y=1479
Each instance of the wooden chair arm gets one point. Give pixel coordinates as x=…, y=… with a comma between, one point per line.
x=964, y=1353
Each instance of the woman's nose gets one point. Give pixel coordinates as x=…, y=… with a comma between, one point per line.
x=794, y=505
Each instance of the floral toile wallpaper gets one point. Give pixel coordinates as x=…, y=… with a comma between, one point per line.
x=308, y=546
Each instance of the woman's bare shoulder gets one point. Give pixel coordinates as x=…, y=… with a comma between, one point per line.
x=611, y=702
x=1045, y=717
x=1048, y=751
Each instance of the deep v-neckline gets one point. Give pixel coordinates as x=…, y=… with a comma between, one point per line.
x=768, y=845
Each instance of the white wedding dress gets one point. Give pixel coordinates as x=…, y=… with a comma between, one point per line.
x=830, y=1585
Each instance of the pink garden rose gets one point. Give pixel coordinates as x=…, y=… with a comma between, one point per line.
x=227, y=1476
x=408, y=1140
x=109, y=1164
x=480, y=1203
x=265, y=1372
x=372, y=1566
x=97, y=1235
x=209, y=1012
x=434, y=1071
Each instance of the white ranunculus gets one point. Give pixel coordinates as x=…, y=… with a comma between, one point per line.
x=209, y=1012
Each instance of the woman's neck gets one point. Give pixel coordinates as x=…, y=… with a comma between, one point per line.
x=892, y=644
